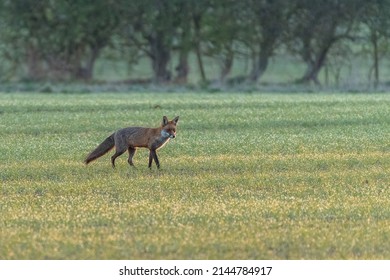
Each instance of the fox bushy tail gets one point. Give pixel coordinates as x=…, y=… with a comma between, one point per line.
x=101, y=150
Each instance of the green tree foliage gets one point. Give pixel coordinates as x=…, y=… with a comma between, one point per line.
x=62, y=39
x=376, y=19
x=58, y=39
x=264, y=22
x=316, y=26
x=154, y=29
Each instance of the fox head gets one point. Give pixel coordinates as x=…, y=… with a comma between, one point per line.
x=169, y=127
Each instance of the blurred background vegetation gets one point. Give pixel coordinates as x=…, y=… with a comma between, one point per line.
x=337, y=43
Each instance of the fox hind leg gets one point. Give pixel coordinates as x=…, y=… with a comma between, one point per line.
x=117, y=154
x=131, y=155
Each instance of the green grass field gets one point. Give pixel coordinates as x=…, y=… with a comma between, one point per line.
x=249, y=176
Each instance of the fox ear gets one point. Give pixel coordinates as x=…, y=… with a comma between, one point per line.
x=165, y=121
x=175, y=120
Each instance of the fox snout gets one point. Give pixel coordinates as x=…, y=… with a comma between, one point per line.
x=167, y=134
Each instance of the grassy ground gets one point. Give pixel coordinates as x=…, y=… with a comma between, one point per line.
x=249, y=176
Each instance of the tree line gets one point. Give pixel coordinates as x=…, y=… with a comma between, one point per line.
x=62, y=39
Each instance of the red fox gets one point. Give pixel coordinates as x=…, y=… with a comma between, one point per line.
x=134, y=137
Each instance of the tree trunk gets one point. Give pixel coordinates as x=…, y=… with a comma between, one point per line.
x=160, y=56
x=59, y=68
x=35, y=69
x=260, y=64
x=159, y=65
x=86, y=72
x=311, y=74
x=314, y=66
x=374, y=40
x=182, y=68
x=200, y=63
x=196, y=20
x=227, y=64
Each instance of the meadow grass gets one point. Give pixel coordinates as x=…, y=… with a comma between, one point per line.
x=249, y=176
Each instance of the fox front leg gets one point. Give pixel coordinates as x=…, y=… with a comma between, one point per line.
x=153, y=156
